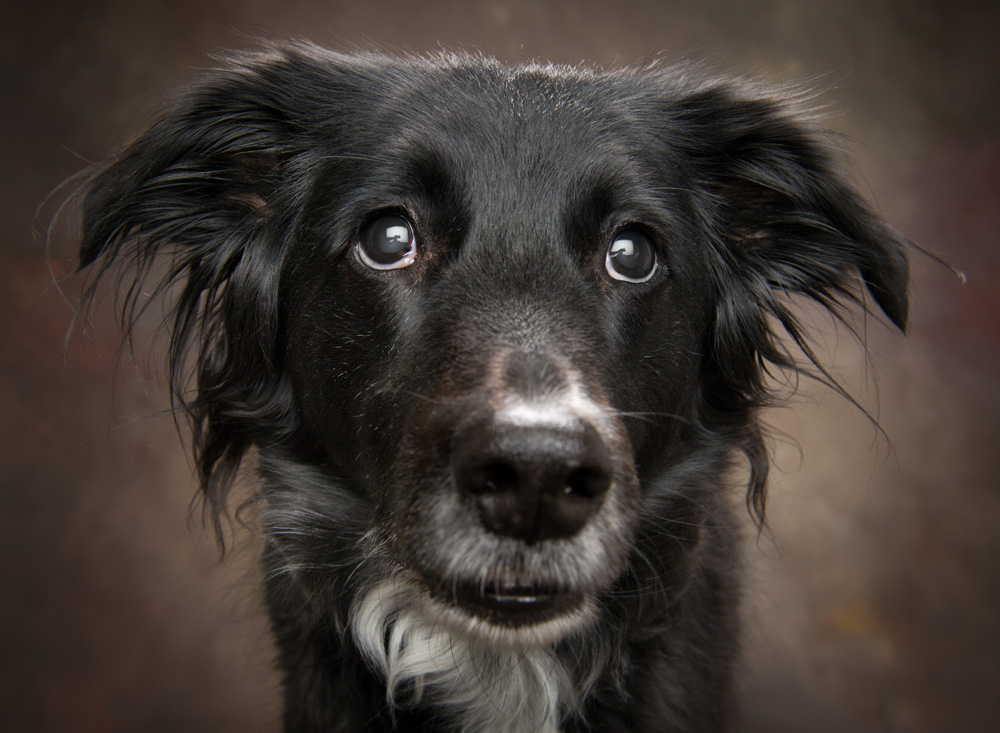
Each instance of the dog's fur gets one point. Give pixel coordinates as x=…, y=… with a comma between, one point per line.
x=493, y=478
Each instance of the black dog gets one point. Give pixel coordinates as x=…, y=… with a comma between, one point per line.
x=496, y=336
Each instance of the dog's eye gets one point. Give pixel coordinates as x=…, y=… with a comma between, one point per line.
x=388, y=243
x=631, y=257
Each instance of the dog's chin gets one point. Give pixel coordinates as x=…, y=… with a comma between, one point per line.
x=511, y=616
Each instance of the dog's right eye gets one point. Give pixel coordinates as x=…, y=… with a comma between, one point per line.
x=631, y=257
x=388, y=243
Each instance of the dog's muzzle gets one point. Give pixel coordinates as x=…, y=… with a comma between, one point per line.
x=523, y=507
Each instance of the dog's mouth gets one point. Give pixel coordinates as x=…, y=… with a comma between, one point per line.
x=512, y=613
x=513, y=604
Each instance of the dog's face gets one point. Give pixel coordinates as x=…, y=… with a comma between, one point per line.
x=490, y=306
x=513, y=322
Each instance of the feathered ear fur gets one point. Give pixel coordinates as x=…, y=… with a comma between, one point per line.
x=783, y=222
x=216, y=185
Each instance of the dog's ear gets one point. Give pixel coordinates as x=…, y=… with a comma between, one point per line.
x=783, y=221
x=211, y=193
x=210, y=171
x=787, y=217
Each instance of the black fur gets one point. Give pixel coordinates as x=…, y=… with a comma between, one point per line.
x=354, y=385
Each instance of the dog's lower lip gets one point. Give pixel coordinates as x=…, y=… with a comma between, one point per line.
x=513, y=604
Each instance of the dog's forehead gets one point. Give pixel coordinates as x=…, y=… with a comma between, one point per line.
x=517, y=145
x=535, y=121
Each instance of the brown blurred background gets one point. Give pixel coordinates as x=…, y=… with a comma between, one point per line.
x=874, y=601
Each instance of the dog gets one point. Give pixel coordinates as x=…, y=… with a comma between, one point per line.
x=496, y=340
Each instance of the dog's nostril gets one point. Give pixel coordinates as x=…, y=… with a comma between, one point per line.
x=495, y=477
x=587, y=482
x=532, y=483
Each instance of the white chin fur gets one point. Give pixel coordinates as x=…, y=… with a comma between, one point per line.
x=483, y=676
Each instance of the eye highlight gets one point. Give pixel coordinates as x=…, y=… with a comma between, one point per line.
x=631, y=257
x=388, y=243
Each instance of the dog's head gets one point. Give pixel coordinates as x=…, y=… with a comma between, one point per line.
x=490, y=329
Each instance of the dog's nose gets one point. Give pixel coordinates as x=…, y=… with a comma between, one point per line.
x=532, y=482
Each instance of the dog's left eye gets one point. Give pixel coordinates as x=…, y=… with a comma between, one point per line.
x=388, y=243
x=631, y=257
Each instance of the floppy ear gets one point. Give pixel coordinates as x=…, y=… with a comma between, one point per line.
x=783, y=222
x=215, y=185
x=783, y=219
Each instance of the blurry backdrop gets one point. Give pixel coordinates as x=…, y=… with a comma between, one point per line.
x=874, y=600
